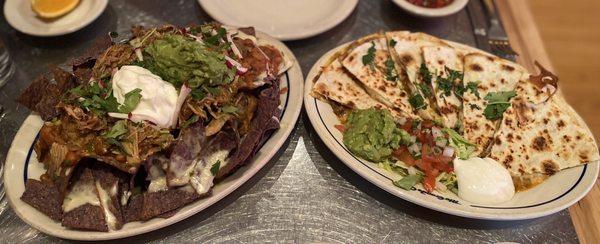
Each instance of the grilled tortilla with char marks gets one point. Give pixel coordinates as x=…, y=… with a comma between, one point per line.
x=405, y=49
x=440, y=61
x=336, y=84
x=488, y=74
x=535, y=141
x=382, y=85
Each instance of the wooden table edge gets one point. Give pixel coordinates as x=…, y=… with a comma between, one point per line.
x=525, y=39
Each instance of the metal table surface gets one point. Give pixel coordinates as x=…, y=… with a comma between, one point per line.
x=304, y=194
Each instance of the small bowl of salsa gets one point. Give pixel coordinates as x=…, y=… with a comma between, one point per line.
x=431, y=8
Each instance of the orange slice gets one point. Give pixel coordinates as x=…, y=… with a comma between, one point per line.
x=53, y=8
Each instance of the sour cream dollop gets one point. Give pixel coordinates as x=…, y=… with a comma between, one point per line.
x=159, y=98
x=483, y=181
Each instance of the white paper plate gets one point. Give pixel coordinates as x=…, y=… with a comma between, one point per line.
x=283, y=19
x=20, y=16
x=557, y=193
x=21, y=164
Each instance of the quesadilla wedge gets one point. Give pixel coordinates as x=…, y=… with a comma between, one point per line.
x=484, y=74
x=537, y=140
x=405, y=49
x=369, y=61
x=446, y=67
x=336, y=84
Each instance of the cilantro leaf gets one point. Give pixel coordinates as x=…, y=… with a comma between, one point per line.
x=190, y=121
x=118, y=130
x=472, y=86
x=390, y=70
x=132, y=99
x=392, y=43
x=214, y=169
x=425, y=74
x=474, y=106
x=417, y=102
x=425, y=89
x=498, y=102
x=369, y=58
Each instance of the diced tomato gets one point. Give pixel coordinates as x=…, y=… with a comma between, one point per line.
x=427, y=124
x=403, y=155
x=341, y=128
x=429, y=181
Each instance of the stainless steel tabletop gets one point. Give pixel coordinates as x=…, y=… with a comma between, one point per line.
x=304, y=194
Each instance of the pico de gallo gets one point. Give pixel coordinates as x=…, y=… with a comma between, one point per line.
x=419, y=151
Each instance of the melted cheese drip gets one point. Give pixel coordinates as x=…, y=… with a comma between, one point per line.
x=202, y=180
x=105, y=199
x=80, y=194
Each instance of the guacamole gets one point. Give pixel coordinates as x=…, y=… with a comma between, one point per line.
x=178, y=60
x=372, y=134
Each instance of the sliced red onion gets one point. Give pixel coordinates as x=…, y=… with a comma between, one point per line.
x=234, y=48
x=448, y=151
x=231, y=62
x=414, y=149
x=183, y=93
x=197, y=38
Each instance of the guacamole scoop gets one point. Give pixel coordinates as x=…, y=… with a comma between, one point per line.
x=178, y=60
x=372, y=134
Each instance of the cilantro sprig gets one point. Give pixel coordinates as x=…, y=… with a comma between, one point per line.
x=100, y=99
x=498, y=102
x=369, y=58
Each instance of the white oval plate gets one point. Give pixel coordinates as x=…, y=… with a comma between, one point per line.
x=556, y=193
x=283, y=19
x=20, y=16
x=21, y=164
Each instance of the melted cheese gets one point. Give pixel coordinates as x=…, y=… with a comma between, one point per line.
x=105, y=200
x=80, y=194
x=202, y=180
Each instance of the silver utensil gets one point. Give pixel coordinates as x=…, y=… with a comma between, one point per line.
x=479, y=23
x=497, y=37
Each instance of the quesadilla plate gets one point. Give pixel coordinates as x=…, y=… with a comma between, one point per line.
x=425, y=162
x=107, y=194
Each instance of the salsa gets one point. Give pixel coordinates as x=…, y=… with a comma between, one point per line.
x=431, y=3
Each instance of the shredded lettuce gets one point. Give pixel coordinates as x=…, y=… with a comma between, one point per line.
x=393, y=167
x=449, y=180
x=464, y=149
x=409, y=181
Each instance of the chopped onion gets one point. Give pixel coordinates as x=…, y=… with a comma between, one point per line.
x=138, y=53
x=414, y=149
x=448, y=151
x=441, y=142
x=197, y=38
x=436, y=132
x=119, y=115
x=412, y=170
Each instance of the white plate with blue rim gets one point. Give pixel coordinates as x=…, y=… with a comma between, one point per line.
x=283, y=19
x=21, y=164
x=555, y=194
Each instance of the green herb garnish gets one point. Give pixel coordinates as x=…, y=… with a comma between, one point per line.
x=229, y=109
x=190, y=121
x=390, y=70
x=498, y=102
x=463, y=148
x=118, y=130
x=425, y=74
x=417, y=101
x=392, y=43
x=214, y=169
x=369, y=58
x=132, y=99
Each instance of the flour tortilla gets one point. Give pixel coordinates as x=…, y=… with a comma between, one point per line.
x=494, y=75
x=535, y=141
x=437, y=59
x=407, y=54
x=392, y=93
x=336, y=84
